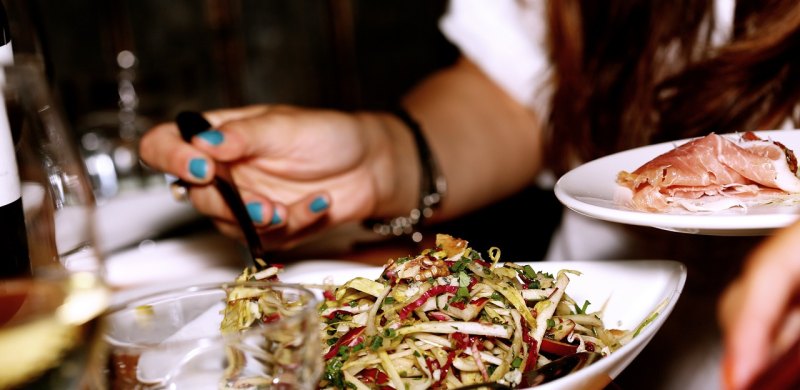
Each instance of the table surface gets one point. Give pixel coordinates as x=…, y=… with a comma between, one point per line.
x=204, y=255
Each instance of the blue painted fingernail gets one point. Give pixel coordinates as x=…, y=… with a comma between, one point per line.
x=214, y=137
x=256, y=212
x=318, y=204
x=276, y=219
x=198, y=167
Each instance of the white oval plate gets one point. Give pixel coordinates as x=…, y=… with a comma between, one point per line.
x=629, y=291
x=591, y=190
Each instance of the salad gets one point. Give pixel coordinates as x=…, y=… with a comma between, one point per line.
x=449, y=317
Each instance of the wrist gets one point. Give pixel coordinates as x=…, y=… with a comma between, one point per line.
x=394, y=170
x=419, y=185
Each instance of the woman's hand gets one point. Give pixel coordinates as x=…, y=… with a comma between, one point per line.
x=299, y=170
x=760, y=311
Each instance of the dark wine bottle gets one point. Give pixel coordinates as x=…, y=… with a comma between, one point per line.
x=14, y=257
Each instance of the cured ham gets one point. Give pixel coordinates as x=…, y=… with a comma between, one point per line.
x=714, y=173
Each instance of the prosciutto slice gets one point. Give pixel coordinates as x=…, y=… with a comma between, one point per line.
x=713, y=173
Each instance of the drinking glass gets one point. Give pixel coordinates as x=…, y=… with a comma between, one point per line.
x=52, y=291
x=182, y=339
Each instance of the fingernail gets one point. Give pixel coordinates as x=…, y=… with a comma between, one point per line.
x=214, y=137
x=318, y=204
x=276, y=219
x=256, y=212
x=198, y=167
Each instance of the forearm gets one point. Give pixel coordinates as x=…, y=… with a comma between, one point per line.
x=487, y=144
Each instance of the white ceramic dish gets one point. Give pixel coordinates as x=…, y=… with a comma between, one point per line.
x=591, y=189
x=136, y=215
x=629, y=291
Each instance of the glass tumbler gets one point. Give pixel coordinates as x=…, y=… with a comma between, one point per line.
x=242, y=335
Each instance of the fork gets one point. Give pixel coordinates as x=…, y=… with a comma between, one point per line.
x=191, y=123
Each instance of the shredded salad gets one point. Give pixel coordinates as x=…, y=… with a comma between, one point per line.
x=448, y=318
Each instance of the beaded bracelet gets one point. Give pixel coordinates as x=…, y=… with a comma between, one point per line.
x=432, y=187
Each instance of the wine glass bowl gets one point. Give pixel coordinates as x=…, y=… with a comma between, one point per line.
x=52, y=290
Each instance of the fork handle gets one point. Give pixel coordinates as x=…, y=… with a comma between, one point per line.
x=191, y=123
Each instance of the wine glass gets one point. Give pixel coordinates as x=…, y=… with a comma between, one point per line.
x=52, y=291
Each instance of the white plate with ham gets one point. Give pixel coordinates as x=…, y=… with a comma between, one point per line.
x=742, y=184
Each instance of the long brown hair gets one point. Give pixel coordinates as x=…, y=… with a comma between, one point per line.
x=635, y=72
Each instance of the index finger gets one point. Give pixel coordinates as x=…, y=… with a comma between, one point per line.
x=163, y=149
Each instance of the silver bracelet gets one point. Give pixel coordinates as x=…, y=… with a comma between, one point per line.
x=432, y=187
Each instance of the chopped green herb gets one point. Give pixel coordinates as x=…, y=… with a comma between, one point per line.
x=581, y=310
x=460, y=265
x=333, y=372
x=529, y=272
x=462, y=295
x=377, y=342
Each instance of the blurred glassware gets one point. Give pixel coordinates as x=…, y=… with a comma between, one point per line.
x=111, y=154
x=109, y=139
x=50, y=310
x=174, y=339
